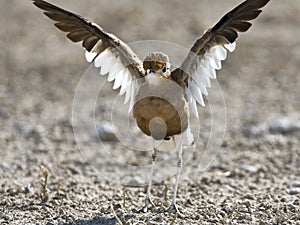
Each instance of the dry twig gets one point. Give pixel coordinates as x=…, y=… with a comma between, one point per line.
x=45, y=193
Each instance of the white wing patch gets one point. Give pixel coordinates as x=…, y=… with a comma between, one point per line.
x=205, y=70
x=192, y=103
x=89, y=56
x=111, y=65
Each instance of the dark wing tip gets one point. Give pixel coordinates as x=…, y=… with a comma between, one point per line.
x=237, y=19
x=52, y=11
x=43, y=5
x=77, y=27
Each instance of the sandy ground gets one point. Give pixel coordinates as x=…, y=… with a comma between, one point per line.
x=255, y=179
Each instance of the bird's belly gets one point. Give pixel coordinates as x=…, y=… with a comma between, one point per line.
x=161, y=113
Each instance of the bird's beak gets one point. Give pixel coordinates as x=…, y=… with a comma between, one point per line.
x=150, y=70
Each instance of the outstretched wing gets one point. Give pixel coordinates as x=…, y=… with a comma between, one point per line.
x=206, y=55
x=109, y=53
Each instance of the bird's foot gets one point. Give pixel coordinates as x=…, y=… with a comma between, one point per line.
x=144, y=209
x=146, y=205
x=174, y=209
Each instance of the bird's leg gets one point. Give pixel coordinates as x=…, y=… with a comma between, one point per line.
x=173, y=205
x=148, y=199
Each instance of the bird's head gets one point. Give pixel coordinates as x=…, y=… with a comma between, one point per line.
x=158, y=64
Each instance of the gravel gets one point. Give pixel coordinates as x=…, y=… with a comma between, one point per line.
x=254, y=178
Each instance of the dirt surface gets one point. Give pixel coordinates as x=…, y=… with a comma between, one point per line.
x=255, y=179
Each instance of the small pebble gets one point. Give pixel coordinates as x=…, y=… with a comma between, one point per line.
x=4, y=216
x=267, y=196
x=26, y=189
x=284, y=126
x=158, y=218
x=12, y=191
x=248, y=218
x=296, y=184
x=210, y=201
x=250, y=168
x=197, y=217
x=249, y=196
x=227, y=209
x=294, y=191
x=247, y=203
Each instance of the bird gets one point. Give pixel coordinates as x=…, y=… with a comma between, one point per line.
x=159, y=110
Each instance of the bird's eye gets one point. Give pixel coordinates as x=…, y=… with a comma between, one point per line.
x=164, y=69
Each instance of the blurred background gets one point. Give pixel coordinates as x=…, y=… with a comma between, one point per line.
x=40, y=69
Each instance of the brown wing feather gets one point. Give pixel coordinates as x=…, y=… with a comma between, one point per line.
x=80, y=29
x=224, y=32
